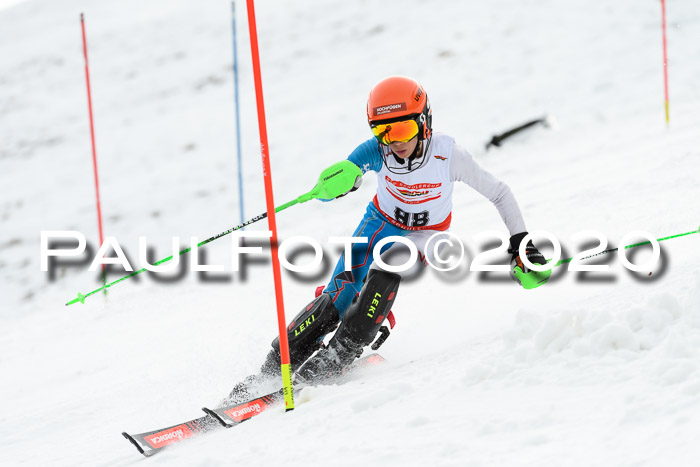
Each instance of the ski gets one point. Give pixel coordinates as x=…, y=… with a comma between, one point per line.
x=151, y=442
x=234, y=414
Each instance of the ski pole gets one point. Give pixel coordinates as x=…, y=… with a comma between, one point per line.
x=333, y=182
x=81, y=298
x=535, y=279
x=634, y=245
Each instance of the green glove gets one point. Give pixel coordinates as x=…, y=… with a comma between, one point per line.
x=337, y=180
x=520, y=273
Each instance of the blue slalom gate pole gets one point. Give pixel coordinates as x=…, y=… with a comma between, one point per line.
x=238, y=113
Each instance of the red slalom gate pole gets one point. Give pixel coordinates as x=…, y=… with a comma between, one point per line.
x=271, y=217
x=94, y=150
x=663, y=31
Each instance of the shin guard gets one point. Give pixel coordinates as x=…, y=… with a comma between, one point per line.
x=363, y=319
x=358, y=328
x=305, y=334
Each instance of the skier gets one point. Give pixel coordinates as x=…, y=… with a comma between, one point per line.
x=416, y=171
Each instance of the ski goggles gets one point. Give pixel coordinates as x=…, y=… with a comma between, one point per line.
x=387, y=133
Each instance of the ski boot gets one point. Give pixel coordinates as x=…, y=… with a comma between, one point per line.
x=305, y=334
x=358, y=328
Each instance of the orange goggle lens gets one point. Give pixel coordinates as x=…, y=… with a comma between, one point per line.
x=388, y=133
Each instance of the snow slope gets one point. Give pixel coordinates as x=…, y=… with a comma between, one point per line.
x=586, y=370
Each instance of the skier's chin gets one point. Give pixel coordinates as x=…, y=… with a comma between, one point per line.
x=402, y=154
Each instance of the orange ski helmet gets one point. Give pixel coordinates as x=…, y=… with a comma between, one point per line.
x=398, y=98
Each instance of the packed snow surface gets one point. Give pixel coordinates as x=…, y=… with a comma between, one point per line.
x=590, y=369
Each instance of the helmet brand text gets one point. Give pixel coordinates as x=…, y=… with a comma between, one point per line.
x=385, y=109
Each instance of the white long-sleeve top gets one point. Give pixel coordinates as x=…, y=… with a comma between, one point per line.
x=419, y=197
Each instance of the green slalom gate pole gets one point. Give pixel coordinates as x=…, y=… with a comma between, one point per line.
x=333, y=182
x=534, y=279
